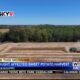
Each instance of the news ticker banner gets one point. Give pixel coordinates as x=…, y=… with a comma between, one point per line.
x=38, y=72
x=68, y=66
x=25, y=63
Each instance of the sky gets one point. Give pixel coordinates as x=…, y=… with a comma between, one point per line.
x=32, y=12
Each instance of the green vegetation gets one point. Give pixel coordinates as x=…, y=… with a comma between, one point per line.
x=40, y=33
x=73, y=49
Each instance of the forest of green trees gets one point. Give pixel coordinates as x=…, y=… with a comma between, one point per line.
x=40, y=33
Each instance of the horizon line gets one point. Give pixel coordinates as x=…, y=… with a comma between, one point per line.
x=46, y=24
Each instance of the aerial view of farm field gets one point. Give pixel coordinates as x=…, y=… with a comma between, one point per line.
x=45, y=52
x=20, y=44
x=39, y=39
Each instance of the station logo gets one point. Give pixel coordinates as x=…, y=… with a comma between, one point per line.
x=76, y=65
x=6, y=13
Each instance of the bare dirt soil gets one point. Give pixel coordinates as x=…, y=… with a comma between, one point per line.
x=40, y=52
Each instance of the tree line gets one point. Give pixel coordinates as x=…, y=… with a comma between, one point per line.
x=40, y=33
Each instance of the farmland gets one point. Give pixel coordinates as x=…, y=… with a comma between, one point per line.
x=44, y=43
x=50, y=52
x=4, y=30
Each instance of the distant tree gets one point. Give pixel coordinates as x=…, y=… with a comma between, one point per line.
x=40, y=33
